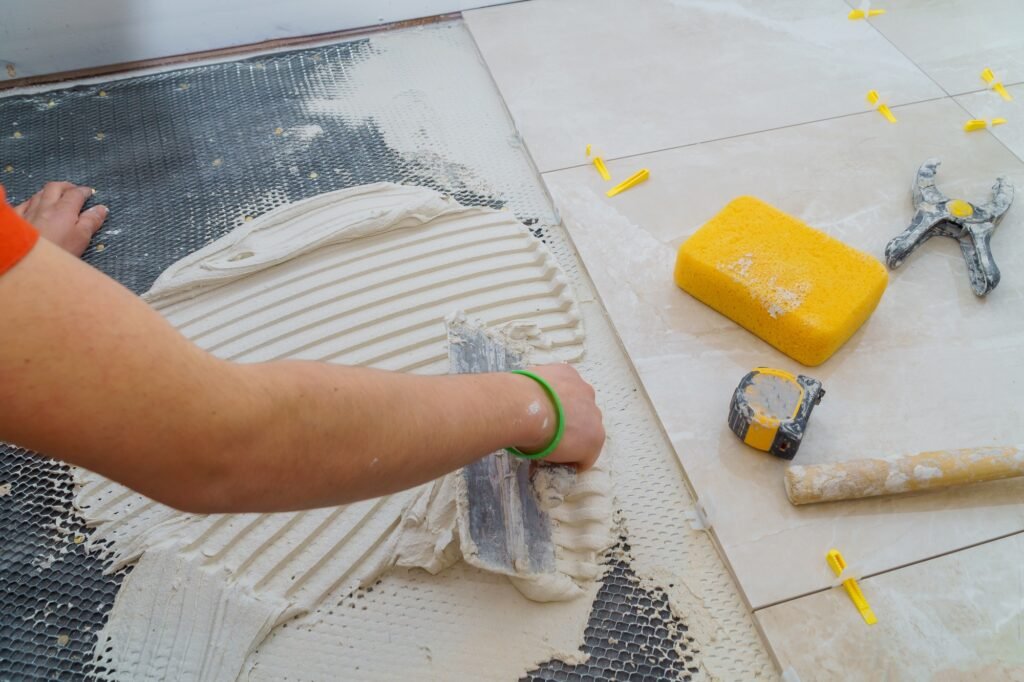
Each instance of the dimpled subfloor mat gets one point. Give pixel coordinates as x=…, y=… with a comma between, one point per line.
x=182, y=157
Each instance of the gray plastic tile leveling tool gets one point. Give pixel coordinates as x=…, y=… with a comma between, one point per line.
x=970, y=224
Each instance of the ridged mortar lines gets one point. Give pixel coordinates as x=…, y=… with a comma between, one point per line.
x=376, y=298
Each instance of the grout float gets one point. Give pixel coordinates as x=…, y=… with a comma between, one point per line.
x=360, y=276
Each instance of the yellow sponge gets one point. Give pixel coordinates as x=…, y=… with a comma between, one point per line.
x=797, y=288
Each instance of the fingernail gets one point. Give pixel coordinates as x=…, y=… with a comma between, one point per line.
x=102, y=209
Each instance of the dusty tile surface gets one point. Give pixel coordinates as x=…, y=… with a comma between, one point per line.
x=575, y=72
x=957, y=617
x=953, y=40
x=989, y=105
x=933, y=368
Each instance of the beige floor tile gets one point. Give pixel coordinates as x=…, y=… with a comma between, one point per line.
x=989, y=105
x=954, y=40
x=957, y=617
x=635, y=77
x=933, y=368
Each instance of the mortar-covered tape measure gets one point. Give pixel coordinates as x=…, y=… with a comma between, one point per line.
x=770, y=409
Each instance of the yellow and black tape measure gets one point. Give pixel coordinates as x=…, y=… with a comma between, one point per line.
x=770, y=409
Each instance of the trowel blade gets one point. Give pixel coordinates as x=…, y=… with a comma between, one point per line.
x=502, y=526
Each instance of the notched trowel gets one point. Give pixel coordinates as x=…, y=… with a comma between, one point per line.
x=502, y=523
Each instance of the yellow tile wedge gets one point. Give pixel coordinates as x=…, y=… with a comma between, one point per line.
x=632, y=181
x=982, y=124
x=990, y=78
x=883, y=108
x=838, y=564
x=864, y=12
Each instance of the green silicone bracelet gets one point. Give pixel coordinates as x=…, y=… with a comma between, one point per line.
x=560, y=416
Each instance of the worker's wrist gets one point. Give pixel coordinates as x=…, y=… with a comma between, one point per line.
x=534, y=415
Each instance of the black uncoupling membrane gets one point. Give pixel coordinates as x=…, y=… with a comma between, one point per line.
x=181, y=158
x=631, y=634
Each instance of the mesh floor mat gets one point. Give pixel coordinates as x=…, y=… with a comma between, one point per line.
x=55, y=596
x=183, y=157
x=632, y=634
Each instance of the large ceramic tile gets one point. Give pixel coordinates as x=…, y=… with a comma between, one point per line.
x=933, y=368
x=634, y=77
x=957, y=617
x=954, y=40
x=989, y=105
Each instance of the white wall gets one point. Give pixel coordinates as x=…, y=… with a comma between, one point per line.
x=48, y=36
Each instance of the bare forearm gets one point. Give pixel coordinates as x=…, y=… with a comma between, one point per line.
x=319, y=435
x=97, y=378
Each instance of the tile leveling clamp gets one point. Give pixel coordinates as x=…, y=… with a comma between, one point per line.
x=970, y=224
x=770, y=409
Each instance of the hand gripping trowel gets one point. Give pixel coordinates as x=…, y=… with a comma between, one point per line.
x=502, y=524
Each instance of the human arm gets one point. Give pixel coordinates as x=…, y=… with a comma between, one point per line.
x=92, y=375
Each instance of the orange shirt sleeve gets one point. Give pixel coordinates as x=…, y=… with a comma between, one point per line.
x=17, y=237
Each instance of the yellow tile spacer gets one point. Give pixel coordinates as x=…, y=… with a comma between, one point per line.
x=864, y=11
x=588, y=151
x=883, y=109
x=838, y=564
x=982, y=124
x=990, y=78
x=631, y=181
x=601, y=168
